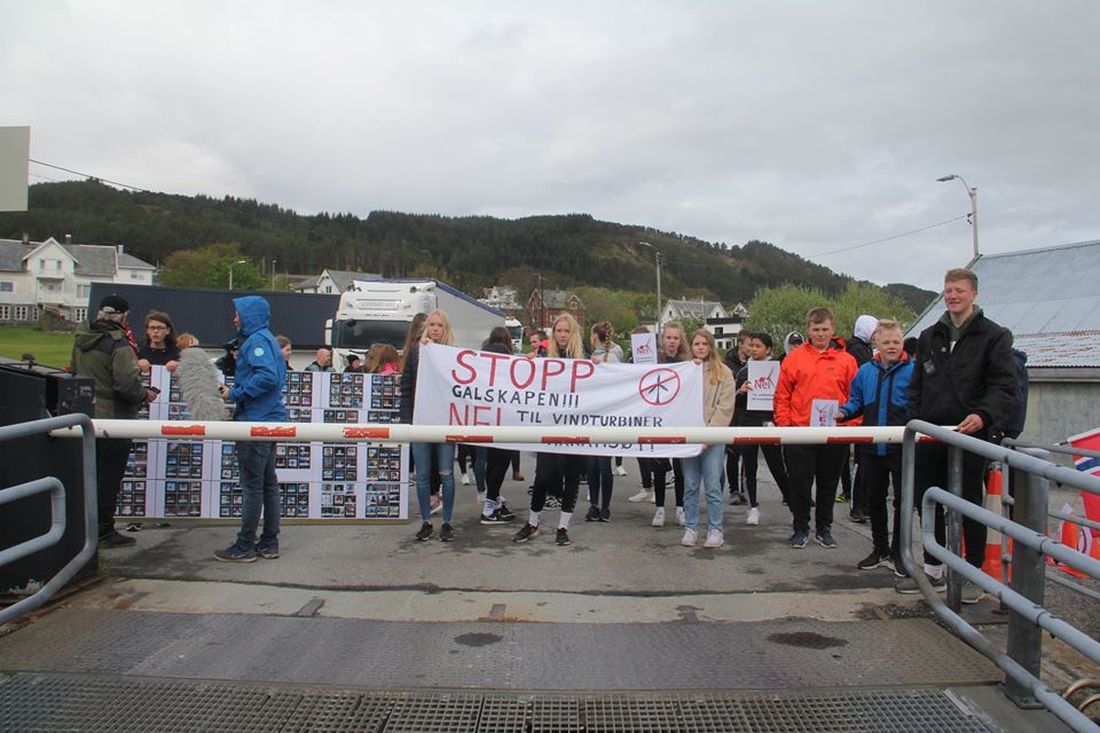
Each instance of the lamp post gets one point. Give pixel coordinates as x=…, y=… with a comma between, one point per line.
x=657, y=259
x=973, y=194
x=273, y=261
x=231, y=266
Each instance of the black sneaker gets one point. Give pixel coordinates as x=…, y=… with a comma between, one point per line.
x=825, y=539
x=593, y=514
x=798, y=540
x=605, y=514
x=268, y=550
x=233, y=553
x=505, y=514
x=857, y=516
x=446, y=533
x=562, y=537
x=425, y=532
x=525, y=533
x=737, y=498
x=875, y=560
x=493, y=518
x=114, y=539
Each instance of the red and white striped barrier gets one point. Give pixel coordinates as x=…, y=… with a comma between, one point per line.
x=535, y=435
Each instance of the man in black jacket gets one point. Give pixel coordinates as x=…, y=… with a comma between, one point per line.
x=965, y=376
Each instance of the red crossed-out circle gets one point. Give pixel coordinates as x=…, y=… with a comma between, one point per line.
x=659, y=386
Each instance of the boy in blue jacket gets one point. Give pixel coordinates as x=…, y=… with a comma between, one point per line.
x=880, y=392
x=257, y=392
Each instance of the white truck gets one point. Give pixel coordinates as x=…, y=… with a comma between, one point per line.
x=380, y=311
x=515, y=330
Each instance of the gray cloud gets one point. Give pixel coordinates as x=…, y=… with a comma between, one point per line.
x=815, y=126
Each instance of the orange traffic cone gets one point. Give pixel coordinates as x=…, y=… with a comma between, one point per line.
x=994, y=490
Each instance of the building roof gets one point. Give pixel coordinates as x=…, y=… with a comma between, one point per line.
x=1049, y=298
x=555, y=298
x=208, y=313
x=693, y=308
x=92, y=260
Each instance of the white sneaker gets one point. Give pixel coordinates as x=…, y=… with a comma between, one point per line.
x=753, y=517
x=689, y=538
x=658, y=517
x=680, y=518
x=643, y=495
x=620, y=471
x=714, y=539
x=465, y=479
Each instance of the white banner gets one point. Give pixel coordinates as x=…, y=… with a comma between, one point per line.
x=466, y=387
x=763, y=376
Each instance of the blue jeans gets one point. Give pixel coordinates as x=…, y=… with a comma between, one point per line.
x=600, y=481
x=444, y=462
x=707, y=468
x=260, y=493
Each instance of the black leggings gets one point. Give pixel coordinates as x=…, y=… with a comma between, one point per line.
x=557, y=472
x=498, y=461
x=773, y=454
x=660, y=469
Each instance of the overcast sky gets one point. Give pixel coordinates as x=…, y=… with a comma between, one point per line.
x=813, y=125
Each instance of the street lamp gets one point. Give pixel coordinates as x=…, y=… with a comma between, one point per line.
x=231, y=266
x=657, y=258
x=273, y=261
x=973, y=194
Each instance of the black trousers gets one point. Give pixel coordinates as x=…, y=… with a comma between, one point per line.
x=660, y=471
x=879, y=471
x=498, y=461
x=111, y=455
x=733, y=456
x=645, y=468
x=931, y=470
x=557, y=472
x=773, y=454
x=807, y=465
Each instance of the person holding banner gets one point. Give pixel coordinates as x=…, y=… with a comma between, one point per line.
x=759, y=378
x=437, y=329
x=554, y=470
x=674, y=349
x=600, y=477
x=497, y=460
x=706, y=468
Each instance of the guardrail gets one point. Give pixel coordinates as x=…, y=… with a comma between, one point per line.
x=57, y=505
x=1027, y=617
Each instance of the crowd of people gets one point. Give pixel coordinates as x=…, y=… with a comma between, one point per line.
x=961, y=372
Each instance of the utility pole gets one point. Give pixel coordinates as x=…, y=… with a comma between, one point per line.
x=273, y=262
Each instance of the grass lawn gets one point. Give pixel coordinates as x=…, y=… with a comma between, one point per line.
x=49, y=347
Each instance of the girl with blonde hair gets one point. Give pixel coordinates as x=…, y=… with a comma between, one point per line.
x=706, y=468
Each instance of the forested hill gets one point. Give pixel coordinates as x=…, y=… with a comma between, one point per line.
x=471, y=252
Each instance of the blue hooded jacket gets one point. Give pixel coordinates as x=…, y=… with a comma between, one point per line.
x=882, y=396
x=261, y=370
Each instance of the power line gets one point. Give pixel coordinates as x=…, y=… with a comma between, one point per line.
x=887, y=239
x=89, y=175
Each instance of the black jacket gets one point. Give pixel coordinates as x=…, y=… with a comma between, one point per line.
x=407, y=387
x=978, y=375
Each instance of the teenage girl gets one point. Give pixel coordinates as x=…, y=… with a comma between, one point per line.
x=600, y=477
x=674, y=348
x=760, y=349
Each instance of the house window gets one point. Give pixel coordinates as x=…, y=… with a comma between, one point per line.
x=83, y=291
x=328, y=288
x=7, y=286
x=718, y=331
x=34, y=313
x=57, y=264
x=79, y=314
x=21, y=312
x=135, y=275
x=5, y=312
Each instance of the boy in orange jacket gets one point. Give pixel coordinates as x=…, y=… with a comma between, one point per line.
x=813, y=383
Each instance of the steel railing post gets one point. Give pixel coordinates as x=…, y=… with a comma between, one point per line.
x=1025, y=638
x=954, y=526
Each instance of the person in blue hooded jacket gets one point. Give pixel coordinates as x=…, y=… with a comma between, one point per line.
x=880, y=393
x=257, y=393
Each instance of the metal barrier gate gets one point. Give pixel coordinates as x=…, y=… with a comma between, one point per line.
x=57, y=504
x=1024, y=597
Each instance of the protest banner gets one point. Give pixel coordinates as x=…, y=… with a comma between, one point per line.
x=763, y=376
x=467, y=387
x=643, y=348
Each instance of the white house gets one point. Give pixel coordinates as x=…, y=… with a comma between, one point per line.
x=333, y=282
x=54, y=277
x=722, y=324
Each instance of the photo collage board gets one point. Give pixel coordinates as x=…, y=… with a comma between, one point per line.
x=317, y=480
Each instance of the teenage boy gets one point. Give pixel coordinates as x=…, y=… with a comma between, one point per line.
x=813, y=383
x=880, y=392
x=964, y=375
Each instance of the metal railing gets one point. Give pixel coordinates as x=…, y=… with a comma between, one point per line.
x=58, y=518
x=1024, y=598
